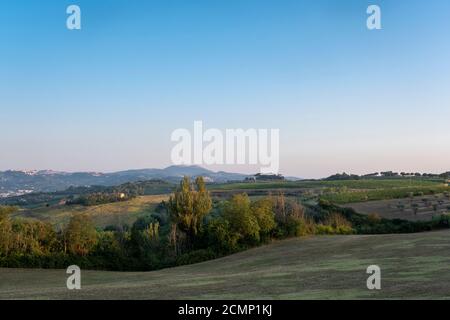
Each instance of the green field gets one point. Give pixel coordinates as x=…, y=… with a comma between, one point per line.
x=413, y=266
x=351, y=196
x=350, y=184
x=337, y=191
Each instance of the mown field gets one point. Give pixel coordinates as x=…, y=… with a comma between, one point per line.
x=413, y=266
x=117, y=213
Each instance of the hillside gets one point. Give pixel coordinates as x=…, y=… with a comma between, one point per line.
x=328, y=267
x=22, y=182
x=118, y=213
x=413, y=209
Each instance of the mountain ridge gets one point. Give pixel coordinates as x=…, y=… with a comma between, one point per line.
x=18, y=182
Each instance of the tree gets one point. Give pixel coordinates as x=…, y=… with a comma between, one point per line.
x=262, y=211
x=279, y=205
x=145, y=241
x=202, y=203
x=5, y=230
x=187, y=208
x=242, y=222
x=220, y=237
x=33, y=237
x=181, y=207
x=290, y=217
x=80, y=235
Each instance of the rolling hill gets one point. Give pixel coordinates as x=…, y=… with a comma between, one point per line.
x=413, y=266
x=21, y=182
x=103, y=215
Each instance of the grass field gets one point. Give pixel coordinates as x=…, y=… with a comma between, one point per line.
x=413, y=266
x=404, y=208
x=338, y=192
x=351, y=184
x=353, y=196
x=117, y=213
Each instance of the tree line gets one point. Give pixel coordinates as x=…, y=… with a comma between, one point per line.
x=387, y=174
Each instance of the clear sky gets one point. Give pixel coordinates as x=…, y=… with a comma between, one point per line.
x=108, y=96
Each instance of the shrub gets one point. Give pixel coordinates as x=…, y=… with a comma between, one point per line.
x=262, y=211
x=220, y=237
x=334, y=223
x=337, y=220
x=443, y=221
x=291, y=218
x=324, y=229
x=299, y=226
x=373, y=218
x=242, y=222
x=196, y=256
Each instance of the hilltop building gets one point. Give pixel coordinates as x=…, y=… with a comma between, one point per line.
x=259, y=177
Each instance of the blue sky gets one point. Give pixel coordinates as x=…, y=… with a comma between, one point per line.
x=108, y=96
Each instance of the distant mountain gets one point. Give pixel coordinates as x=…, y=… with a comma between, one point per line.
x=21, y=182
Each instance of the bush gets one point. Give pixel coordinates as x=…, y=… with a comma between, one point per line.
x=443, y=221
x=363, y=224
x=299, y=226
x=220, y=237
x=291, y=218
x=335, y=223
x=373, y=218
x=242, y=222
x=196, y=256
x=94, y=199
x=336, y=220
x=324, y=229
x=262, y=211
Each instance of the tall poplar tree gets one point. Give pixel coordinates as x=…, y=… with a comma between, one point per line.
x=187, y=207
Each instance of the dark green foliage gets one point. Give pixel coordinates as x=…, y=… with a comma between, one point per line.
x=243, y=223
x=196, y=256
x=343, y=176
x=220, y=237
x=188, y=208
x=367, y=224
x=80, y=235
x=94, y=199
x=262, y=210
